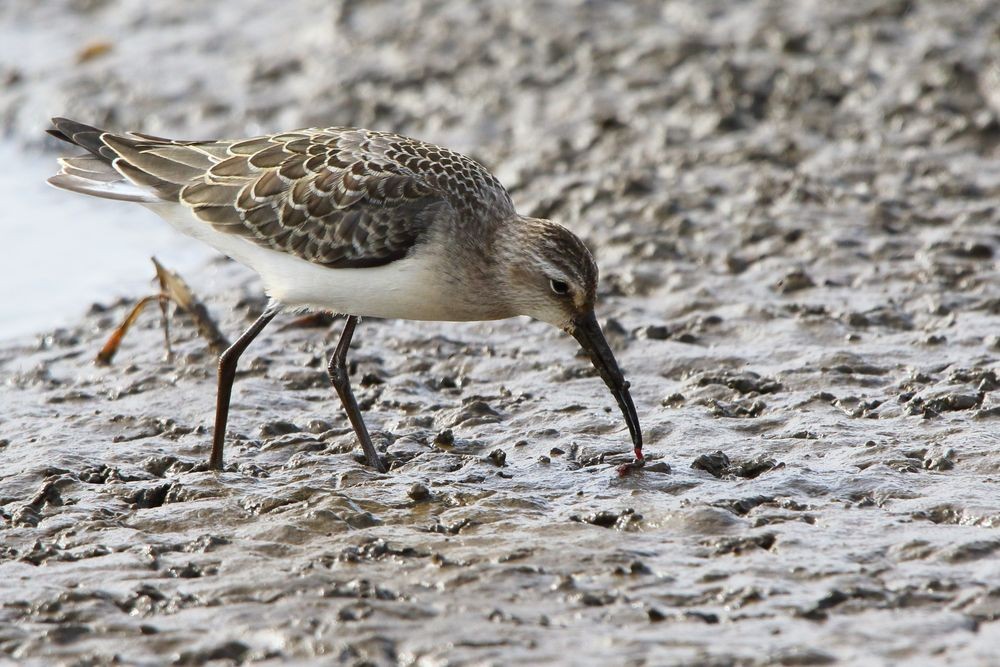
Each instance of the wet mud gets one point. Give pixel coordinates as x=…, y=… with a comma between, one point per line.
x=795, y=207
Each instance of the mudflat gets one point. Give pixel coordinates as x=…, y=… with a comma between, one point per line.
x=796, y=211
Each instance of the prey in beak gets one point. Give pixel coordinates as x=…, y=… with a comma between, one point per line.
x=587, y=332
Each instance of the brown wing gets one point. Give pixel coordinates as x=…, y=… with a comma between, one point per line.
x=301, y=193
x=339, y=197
x=304, y=194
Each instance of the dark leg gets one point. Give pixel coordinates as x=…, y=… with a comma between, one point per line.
x=227, y=373
x=342, y=383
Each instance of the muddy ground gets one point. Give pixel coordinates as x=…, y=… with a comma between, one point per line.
x=796, y=210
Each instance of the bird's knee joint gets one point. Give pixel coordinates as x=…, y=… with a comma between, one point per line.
x=226, y=360
x=338, y=371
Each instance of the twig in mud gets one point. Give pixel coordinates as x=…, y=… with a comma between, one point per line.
x=107, y=352
x=172, y=289
x=318, y=320
x=179, y=292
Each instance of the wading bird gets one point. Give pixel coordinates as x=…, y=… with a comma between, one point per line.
x=359, y=223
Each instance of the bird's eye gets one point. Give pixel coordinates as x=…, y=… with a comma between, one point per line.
x=559, y=287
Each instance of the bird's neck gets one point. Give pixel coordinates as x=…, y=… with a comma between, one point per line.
x=473, y=269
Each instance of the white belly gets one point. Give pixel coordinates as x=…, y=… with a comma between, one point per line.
x=409, y=288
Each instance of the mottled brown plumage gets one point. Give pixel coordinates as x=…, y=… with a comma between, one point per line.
x=358, y=222
x=338, y=197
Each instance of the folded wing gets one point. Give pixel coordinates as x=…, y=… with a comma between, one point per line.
x=330, y=196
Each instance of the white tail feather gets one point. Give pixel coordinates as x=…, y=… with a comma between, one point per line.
x=121, y=189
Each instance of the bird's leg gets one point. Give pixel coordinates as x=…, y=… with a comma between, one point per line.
x=227, y=373
x=342, y=383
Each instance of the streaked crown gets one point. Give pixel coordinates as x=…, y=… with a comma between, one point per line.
x=552, y=275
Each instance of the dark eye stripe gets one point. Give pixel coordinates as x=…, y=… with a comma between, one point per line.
x=559, y=287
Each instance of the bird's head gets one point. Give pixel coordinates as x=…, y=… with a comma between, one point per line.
x=552, y=277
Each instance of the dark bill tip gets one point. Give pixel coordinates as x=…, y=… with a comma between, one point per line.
x=588, y=333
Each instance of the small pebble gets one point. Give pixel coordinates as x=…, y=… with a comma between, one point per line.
x=418, y=492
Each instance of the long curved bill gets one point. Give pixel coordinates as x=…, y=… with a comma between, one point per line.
x=588, y=333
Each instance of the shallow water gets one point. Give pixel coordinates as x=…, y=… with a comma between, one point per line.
x=795, y=213
x=63, y=252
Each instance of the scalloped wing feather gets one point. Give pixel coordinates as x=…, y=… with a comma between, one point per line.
x=339, y=197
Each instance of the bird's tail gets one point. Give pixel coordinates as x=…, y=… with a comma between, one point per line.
x=92, y=174
x=125, y=167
